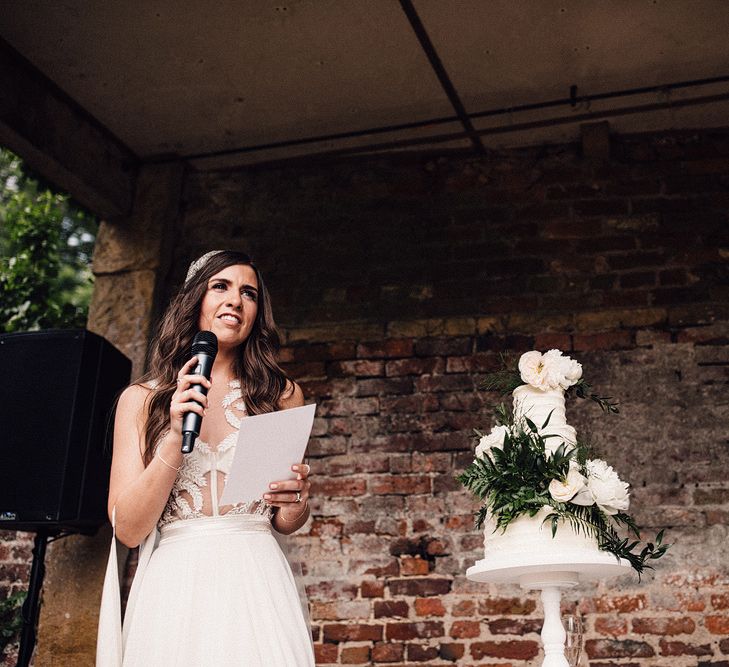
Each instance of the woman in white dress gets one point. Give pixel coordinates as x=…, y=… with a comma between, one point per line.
x=213, y=588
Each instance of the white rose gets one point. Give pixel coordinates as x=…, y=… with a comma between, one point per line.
x=532, y=370
x=565, y=491
x=494, y=440
x=604, y=488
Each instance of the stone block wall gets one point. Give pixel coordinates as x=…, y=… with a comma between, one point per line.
x=398, y=282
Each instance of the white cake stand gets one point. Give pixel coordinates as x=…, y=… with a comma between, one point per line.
x=550, y=576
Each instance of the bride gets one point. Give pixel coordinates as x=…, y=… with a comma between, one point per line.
x=213, y=588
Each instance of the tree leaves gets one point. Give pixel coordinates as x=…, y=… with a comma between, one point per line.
x=45, y=250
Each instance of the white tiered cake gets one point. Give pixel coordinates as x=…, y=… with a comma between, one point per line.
x=527, y=543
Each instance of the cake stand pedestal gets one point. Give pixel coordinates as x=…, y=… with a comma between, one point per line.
x=550, y=578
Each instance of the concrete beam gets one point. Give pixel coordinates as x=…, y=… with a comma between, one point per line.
x=61, y=141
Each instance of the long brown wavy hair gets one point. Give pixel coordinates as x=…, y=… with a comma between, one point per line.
x=262, y=380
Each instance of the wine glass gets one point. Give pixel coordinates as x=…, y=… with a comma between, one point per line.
x=573, y=640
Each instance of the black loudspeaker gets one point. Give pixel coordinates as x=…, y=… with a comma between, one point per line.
x=56, y=397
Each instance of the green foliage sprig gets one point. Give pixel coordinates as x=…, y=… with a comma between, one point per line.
x=11, y=620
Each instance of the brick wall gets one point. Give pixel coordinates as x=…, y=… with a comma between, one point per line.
x=398, y=282
x=392, y=533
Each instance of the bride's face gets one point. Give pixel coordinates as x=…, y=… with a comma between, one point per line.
x=230, y=304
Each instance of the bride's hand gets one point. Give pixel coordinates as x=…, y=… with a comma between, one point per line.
x=184, y=399
x=290, y=494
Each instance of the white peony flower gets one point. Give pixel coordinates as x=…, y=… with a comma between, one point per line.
x=551, y=370
x=605, y=488
x=562, y=371
x=565, y=491
x=495, y=439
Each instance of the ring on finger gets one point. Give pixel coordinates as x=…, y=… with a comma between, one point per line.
x=298, y=497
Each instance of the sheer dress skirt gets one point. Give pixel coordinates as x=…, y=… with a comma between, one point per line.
x=217, y=592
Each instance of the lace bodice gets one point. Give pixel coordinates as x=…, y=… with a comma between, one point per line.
x=204, y=472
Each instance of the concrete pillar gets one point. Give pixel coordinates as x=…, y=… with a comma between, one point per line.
x=131, y=262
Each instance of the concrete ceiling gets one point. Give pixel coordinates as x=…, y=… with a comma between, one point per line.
x=211, y=78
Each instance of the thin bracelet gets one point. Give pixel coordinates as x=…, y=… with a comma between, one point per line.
x=159, y=456
x=305, y=510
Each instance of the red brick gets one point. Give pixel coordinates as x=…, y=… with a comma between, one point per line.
x=519, y=650
x=464, y=608
x=548, y=341
x=622, y=604
x=416, y=367
x=637, y=279
x=500, y=606
x=717, y=625
x=611, y=340
x=515, y=626
x=611, y=626
x=418, y=630
x=416, y=404
x=465, y=629
x=429, y=607
x=419, y=587
x=449, y=383
x=352, y=655
x=348, y=405
x=360, y=368
x=391, y=608
x=390, y=347
x=331, y=590
x=337, y=486
x=387, y=652
x=443, y=347
x=384, y=386
x=720, y=600
x=400, y=484
x=613, y=648
x=711, y=496
x=305, y=370
x=430, y=462
x=372, y=589
x=326, y=654
x=420, y=653
x=474, y=363
x=325, y=528
x=351, y=632
x=452, y=652
x=413, y=566
x=663, y=626
x=323, y=351
x=682, y=648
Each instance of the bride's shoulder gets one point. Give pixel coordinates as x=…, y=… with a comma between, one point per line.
x=135, y=395
x=292, y=396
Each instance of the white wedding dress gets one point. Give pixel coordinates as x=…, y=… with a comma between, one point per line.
x=212, y=588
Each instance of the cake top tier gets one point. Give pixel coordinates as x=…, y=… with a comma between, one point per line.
x=549, y=371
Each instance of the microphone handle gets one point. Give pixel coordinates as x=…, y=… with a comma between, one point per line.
x=192, y=421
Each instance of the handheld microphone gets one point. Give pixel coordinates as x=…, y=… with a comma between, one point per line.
x=204, y=347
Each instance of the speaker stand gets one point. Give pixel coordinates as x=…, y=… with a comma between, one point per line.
x=31, y=606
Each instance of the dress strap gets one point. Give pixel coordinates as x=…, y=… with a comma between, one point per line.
x=109, y=635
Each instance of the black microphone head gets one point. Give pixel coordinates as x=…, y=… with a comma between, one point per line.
x=205, y=342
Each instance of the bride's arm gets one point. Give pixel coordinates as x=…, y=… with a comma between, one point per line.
x=140, y=493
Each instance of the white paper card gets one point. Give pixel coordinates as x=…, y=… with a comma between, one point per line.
x=268, y=445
